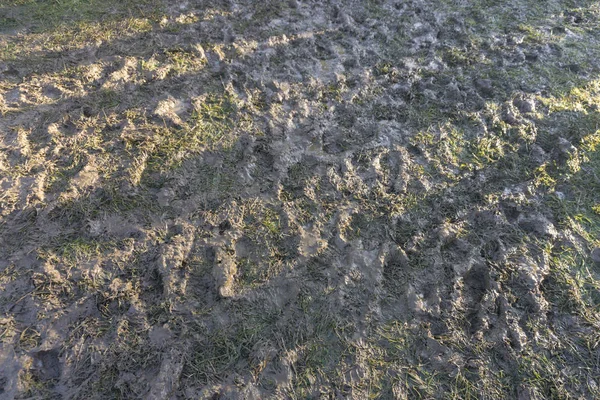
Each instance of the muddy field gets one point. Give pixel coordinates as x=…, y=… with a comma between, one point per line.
x=299, y=199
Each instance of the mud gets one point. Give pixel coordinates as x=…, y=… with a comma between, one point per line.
x=299, y=199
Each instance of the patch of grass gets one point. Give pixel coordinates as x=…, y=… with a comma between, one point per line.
x=210, y=126
x=7, y=23
x=410, y=376
x=225, y=350
x=34, y=387
x=54, y=26
x=541, y=372
x=51, y=14
x=185, y=61
x=464, y=57
x=29, y=339
x=576, y=99
x=262, y=225
x=573, y=285
x=80, y=249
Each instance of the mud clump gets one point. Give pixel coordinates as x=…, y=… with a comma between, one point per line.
x=537, y=224
x=224, y=272
x=46, y=365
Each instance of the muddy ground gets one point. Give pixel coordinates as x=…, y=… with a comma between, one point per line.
x=299, y=199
